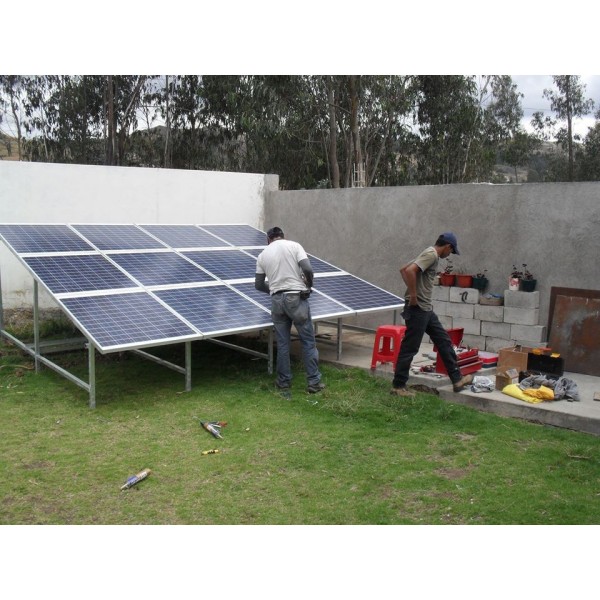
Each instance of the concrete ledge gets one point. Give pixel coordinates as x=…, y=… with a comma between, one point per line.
x=514, y=299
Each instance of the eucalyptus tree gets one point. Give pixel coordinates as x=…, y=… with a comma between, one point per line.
x=568, y=102
x=11, y=99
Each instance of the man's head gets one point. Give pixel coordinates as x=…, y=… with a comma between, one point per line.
x=447, y=241
x=275, y=233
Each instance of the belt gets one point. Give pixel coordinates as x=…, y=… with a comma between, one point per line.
x=286, y=292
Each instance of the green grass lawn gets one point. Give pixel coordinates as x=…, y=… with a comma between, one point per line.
x=358, y=456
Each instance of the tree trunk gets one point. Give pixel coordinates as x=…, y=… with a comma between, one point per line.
x=110, y=148
x=333, y=161
x=569, y=126
x=354, y=105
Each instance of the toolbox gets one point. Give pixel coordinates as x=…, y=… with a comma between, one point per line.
x=468, y=361
x=488, y=359
x=551, y=366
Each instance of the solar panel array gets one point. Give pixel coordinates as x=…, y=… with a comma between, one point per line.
x=130, y=286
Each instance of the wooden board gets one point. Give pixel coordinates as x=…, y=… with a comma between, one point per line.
x=574, y=328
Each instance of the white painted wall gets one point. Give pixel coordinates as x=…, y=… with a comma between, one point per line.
x=61, y=193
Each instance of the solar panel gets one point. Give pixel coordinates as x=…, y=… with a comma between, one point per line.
x=184, y=236
x=119, y=320
x=118, y=237
x=77, y=273
x=238, y=235
x=184, y=267
x=356, y=293
x=225, y=264
x=320, y=306
x=216, y=309
x=160, y=268
x=26, y=239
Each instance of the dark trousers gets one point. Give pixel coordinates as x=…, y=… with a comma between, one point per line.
x=418, y=323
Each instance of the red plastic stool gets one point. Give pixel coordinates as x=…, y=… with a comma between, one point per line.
x=386, y=348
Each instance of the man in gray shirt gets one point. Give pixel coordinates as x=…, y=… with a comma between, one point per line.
x=419, y=318
x=286, y=267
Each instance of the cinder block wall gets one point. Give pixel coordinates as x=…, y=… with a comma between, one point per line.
x=490, y=328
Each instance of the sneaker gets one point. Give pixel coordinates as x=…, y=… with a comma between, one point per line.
x=282, y=386
x=315, y=388
x=403, y=391
x=462, y=382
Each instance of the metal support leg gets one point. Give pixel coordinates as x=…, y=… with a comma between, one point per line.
x=36, y=326
x=92, y=374
x=339, y=339
x=188, y=366
x=270, y=360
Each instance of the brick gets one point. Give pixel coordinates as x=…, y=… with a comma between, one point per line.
x=514, y=299
x=446, y=322
x=499, y=330
x=536, y=333
x=441, y=292
x=489, y=313
x=493, y=344
x=462, y=311
x=522, y=316
x=464, y=295
x=474, y=341
x=440, y=308
x=470, y=326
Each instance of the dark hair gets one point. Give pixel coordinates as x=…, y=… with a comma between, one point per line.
x=275, y=232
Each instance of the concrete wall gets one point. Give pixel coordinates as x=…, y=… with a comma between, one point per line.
x=371, y=232
x=59, y=193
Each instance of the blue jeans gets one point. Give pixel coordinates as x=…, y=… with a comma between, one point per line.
x=288, y=308
x=418, y=323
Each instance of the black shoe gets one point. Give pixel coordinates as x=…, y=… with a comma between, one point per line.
x=282, y=386
x=315, y=388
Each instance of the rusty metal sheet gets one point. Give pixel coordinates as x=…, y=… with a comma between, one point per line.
x=574, y=329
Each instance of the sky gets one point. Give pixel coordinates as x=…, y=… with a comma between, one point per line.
x=532, y=86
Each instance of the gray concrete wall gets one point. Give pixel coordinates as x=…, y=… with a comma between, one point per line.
x=60, y=193
x=371, y=232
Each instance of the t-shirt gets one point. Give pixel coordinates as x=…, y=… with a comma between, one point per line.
x=279, y=261
x=427, y=262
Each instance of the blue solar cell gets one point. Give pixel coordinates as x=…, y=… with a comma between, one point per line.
x=225, y=264
x=78, y=273
x=118, y=237
x=216, y=309
x=160, y=268
x=126, y=319
x=320, y=266
x=356, y=293
x=43, y=238
x=320, y=306
x=184, y=236
x=238, y=235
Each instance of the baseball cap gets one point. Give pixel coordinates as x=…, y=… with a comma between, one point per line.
x=450, y=238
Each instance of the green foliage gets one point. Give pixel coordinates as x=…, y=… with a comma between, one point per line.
x=357, y=456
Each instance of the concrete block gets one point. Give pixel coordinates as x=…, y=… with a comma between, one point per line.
x=529, y=343
x=489, y=313
x=493, y=344
x=499, y=330
x=514, y=299
x=464, y=295
x=470, y=326
x=446, y=322
x=528, y=332
x=440, y=308
x=474, y=341
x=441, y=292
x=522, y=316
x=462, y=311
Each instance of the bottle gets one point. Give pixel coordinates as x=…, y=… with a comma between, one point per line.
x=211, y=428
x=136, y=479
